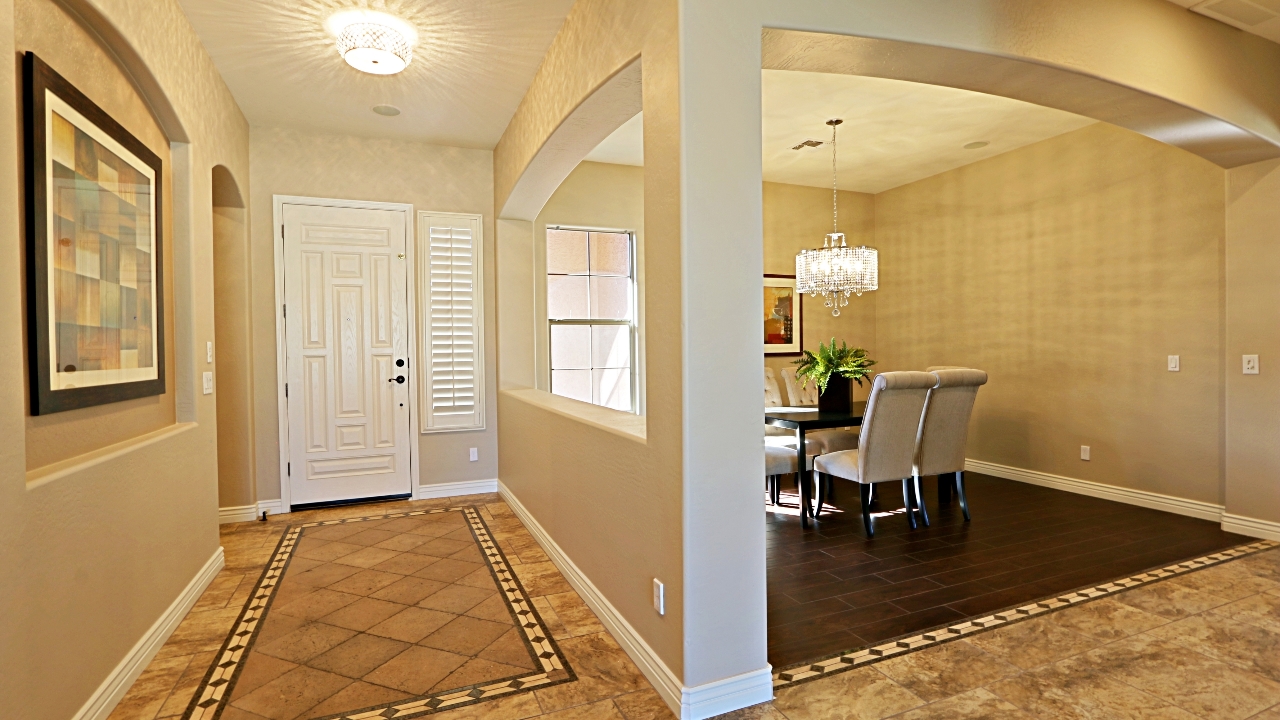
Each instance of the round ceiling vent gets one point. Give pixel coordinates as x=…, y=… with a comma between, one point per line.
x=976, y=145
x=387, y=110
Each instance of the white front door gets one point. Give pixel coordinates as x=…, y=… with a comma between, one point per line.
x=346, y=328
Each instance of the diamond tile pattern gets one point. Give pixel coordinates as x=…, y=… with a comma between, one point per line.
x=414, y=611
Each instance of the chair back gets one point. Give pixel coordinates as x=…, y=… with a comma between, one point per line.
x=799, y=395
x=891, y=424
x=944, y=430
x=772, y=396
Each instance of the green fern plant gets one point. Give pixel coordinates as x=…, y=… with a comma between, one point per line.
x=852, y=363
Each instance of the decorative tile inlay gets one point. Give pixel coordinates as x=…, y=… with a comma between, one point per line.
x=215, y=692
x=804, y=672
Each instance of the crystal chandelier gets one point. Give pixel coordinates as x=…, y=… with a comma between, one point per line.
x=836, y=270
x=374, y=48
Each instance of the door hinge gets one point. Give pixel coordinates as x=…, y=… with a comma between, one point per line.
x=284, y=311
x=282, y=232
x=286, y=389
x=288, y=469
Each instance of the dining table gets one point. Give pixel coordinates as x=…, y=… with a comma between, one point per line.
x=806, y=419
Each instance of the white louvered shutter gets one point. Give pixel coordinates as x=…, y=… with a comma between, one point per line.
x=453, y=361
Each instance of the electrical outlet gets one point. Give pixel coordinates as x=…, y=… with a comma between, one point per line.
x=1250, y=364
x=659, y=597
x=1173, y=363
x=475, y=454
x=208, y=383
x=208, y=352
x=1084, y=452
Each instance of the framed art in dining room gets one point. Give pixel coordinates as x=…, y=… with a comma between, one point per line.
x=783, y=316
x=95, y=291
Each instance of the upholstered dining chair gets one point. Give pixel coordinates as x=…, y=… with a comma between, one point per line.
x=824, y=441
x=886, y=444
x=773, y=398
x=944, y=430
x=778, y=461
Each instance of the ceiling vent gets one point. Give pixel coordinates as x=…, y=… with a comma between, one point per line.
x=1259, y=17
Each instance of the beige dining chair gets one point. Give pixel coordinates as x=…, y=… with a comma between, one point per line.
x=773, y=398
x=944, y=431
x=778, y=461
x=823, y=441
x=887, y=442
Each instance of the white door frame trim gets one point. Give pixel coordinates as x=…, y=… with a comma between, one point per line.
x=411, y=286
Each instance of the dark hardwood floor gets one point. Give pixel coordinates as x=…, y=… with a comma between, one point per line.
x=832, y=589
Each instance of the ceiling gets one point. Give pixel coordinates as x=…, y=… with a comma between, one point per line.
x=1259, y=17
x=471, y=66
x=894, y=132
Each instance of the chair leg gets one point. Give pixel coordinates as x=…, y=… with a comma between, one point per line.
x=820, y=481
x=864, y=492
x=906, y=502
x=924, y=512
x=964, y=501
x=875, y=495
x=946, y=481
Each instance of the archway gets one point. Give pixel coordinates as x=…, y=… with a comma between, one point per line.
x=232, y=348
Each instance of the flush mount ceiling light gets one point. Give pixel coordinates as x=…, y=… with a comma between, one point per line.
x=373, y=42
x=836, y=270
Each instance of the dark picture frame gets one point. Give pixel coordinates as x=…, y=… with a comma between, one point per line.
x=95, y=281
x=794, y=349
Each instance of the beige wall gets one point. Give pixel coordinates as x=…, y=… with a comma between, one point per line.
x=1069, y=270
x=1253, y=327
x=96, y=547
x=429, y=177
x=233, y=355
x=44, y=28
x=798, y=217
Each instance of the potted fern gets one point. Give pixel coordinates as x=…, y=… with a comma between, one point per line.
x=831, y=368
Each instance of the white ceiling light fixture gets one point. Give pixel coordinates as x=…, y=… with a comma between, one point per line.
x=373, y=42
x=836, y=270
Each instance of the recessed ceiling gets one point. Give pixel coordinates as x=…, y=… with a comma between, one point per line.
x=1259, y=17
x=472, y=64
x=893, y=133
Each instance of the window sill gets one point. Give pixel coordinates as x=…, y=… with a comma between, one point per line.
x=622, y=424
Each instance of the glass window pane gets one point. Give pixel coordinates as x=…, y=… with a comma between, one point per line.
x=611, y=298
x=611, y=388
x=611, y=254
x=575, y=384
x=566, y=252
x=610, y=346
x=566, y=297
x=570, y=347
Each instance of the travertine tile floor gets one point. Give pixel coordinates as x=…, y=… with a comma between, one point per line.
x=1205, y=644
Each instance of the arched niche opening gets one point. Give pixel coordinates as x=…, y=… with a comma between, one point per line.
x=231, y=345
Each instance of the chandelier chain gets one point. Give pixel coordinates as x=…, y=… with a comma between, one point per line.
x=835, y=194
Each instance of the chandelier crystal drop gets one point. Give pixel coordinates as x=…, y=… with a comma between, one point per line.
x=835, y=271
x=374, y=48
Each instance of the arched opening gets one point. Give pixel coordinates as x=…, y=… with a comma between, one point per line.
x=231, y=345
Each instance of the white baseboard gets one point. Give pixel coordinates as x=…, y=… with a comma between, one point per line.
x=112, y=690
x=271, y=507
x=237, y=513
x=1141, y=498
x=689, y=703
x=1252, y=527
x=453, y=489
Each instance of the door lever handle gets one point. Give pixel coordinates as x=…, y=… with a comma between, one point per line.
x=397, y=379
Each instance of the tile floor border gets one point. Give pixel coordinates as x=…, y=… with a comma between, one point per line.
x=214, y=691
x=897, y=647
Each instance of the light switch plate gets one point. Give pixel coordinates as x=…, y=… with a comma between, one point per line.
x=208, y=383
x=659, y=597
x=1084, y=452
x=475, y=454
x=1173, y=363
x=1250, y=364
x=208, y=352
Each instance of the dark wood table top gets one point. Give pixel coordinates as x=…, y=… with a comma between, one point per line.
x=814, y=419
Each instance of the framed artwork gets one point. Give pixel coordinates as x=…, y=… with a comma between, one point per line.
x=95, y=292
x=783, y=316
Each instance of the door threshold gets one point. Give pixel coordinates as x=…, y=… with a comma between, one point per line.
x=354, y=501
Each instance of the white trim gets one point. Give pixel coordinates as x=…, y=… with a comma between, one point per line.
x=237, y=513
x=1141, y=498
x=1252, y=527
x=690, y=703
x=454, y=489
x=411, y=287
x=271, y=507
x=112, y=690
x=722, y=696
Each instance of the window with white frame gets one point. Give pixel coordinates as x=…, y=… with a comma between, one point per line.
x=451, y=314
x=591, y=316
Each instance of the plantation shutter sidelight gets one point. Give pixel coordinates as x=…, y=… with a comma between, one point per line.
x=452, y=382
